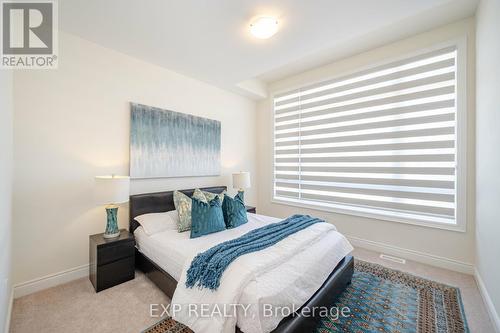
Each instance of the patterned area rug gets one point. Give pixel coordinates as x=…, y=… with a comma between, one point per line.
x=383, y=300
x=386, y=300
x=167, y=325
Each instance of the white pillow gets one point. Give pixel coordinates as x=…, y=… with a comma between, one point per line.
x=153, y=223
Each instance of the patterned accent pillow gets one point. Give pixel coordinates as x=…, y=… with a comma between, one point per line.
x=199, y=194
x=210, y=196
x=235, y=213
x=182, y=205
x=207, y=218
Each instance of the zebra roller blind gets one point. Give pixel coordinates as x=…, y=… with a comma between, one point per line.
x=380, y=142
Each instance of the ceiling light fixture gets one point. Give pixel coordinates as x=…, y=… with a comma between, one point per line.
x=264, y=27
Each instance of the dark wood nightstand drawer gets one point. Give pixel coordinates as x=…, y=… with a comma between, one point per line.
x=112, y=260
x=115, y=252
x=114, y=273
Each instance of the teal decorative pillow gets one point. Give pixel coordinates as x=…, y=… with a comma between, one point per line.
x=206, y=217
x=235, y=213
x=182, y=204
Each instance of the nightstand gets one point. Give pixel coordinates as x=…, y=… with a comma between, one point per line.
x=112, y=261
x=251, y=209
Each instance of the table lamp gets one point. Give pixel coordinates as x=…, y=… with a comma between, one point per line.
x=111, y=191
x=241, y=180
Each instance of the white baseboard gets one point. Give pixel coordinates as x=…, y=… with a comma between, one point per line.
x=495, y=319
x=417, y=256
x=9, y=311
x=51, y=280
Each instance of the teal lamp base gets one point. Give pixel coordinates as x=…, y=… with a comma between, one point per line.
x=112, y=230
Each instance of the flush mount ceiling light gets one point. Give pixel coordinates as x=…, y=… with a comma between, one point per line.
x=264, y=27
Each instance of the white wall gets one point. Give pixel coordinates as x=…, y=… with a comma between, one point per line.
x=72, y=124
x=488, y=149
x=6, y=109
x=454, y=249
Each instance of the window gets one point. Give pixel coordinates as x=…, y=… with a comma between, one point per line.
x=381, y=143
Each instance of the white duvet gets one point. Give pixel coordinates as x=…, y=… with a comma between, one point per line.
x=285, y=275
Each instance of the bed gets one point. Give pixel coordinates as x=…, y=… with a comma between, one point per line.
x=162, y=257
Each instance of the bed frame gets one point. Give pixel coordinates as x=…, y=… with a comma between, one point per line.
x=325, y=296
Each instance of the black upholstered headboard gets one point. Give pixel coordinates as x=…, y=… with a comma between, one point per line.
x=158, y=202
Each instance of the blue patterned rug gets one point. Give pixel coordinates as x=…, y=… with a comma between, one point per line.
x=383, y=300
x=386, y=300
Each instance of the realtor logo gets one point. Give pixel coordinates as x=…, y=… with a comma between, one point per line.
x=29, y=34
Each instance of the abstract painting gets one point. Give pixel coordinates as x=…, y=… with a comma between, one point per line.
x=165, y=143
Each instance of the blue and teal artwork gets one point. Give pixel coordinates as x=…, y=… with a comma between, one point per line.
x=165, y=143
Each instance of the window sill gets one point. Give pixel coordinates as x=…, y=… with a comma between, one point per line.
x=384, y=217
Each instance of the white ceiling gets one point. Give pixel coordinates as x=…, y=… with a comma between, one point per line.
x=209, y=39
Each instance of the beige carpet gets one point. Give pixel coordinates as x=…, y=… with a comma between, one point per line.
x=75, y=307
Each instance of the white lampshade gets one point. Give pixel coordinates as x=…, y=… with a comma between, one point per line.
x=241, y=180
x=112, y=189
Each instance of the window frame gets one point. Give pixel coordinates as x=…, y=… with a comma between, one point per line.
x=460, y=153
